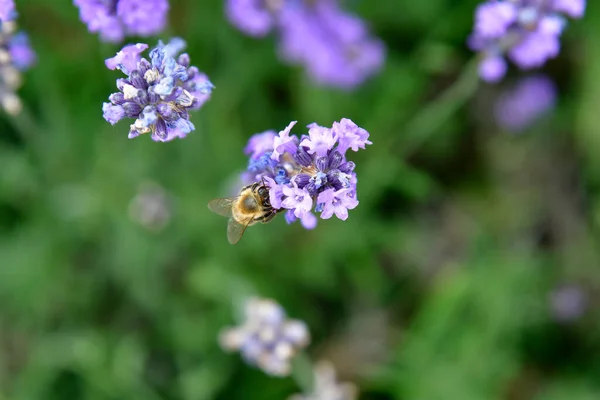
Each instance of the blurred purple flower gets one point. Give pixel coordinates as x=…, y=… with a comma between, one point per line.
x=253, y=17
x=159, y=93
x=16, y=56
x=7, y=10
x=115, y=19
x=266, y=339
x=334, y=46
x=21, y=53
x=568, y=303
x=519, y=107
x=308, y=174
x=526, y=31
x=326, y=386
x=151, y=207
x=259, y=143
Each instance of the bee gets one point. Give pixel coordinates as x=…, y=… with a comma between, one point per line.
x=252, y=205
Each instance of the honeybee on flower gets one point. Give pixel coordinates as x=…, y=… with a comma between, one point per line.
x=306, y=175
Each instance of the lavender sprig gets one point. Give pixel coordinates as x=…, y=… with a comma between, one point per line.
x=158, y=93
x=334, y=46
x=16, y=56
x=526, y=31
x=310, y=173
x=116, y=19
x=267, y=338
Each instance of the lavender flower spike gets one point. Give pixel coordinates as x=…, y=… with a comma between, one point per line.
x=15, y=56
x=308, y=174
x=253, y=17
x=158, y=93
x=519, y=107
x=334, y=46
x=115, y=19
x=266, y=339
x=526, y=31
x=7, y=10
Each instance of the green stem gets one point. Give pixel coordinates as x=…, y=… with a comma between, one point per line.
x=436, y=113
x=303, y=372
x=24, y=123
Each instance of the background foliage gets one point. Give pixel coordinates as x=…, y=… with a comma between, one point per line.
x=442, y=284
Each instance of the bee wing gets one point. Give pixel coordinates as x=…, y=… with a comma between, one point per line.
x=235, y=230
x=221, y=206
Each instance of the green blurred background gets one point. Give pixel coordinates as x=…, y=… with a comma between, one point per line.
x=447, y=282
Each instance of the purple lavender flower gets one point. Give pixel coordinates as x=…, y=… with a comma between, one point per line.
x=267, y=338
x=115, y=19
x=310, y=174
x=253, y=17
x=159, y=93
x=334, y=46
x=294, y=198
x=16, y=56
x=526, y=31
x=518, y=108
x=7, y=10
x=338, y=202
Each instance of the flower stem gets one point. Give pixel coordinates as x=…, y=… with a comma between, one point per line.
x=303, y=372
x=24, y=123
x=436, y=113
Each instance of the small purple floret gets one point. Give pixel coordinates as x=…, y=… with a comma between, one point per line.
x=259, y=144
x=519, y=107
x=21, y=53
x=127, y=59
x=337, y=202
x=296, y=199
x=283, y=142
x=16, y=57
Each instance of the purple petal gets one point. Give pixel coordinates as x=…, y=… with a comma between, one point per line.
x=127, y=59
x=573, y=8
x=520, y=107
x=112, y=113
x=284, y=142
x=492, y=69
x=493, y=19
x=250, y=16
x=259, y=144
x=534, y=50
x=7, y=10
